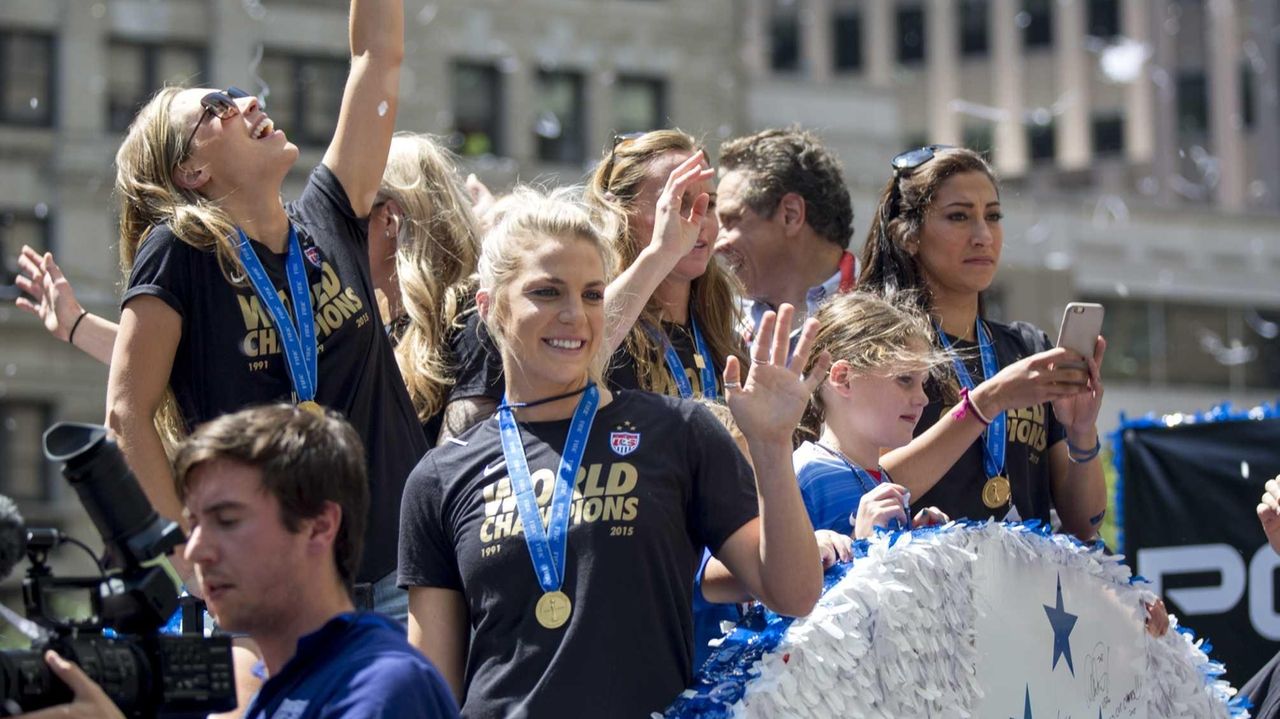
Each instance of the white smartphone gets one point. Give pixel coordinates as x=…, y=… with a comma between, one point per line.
x=1081, y=325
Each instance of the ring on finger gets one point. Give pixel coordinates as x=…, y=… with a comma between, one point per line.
x=732, y=385
x=757, y=360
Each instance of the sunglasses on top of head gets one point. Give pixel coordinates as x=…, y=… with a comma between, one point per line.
x=221, y=103
x=908, y=161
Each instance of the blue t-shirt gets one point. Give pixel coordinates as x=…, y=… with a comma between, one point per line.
x=357, y=666
x=707, y=617
x=829, y=488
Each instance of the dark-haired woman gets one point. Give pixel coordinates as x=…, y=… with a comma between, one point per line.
x=1022, y=432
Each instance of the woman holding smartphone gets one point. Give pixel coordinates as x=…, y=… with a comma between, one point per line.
x=1017, y=429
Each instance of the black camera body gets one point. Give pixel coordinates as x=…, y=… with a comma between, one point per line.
x=120, y=645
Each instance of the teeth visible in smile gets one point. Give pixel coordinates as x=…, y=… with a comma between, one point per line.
x=264, y=127
x=565, y=344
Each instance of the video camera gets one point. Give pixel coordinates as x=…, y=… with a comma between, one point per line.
x=120, y=645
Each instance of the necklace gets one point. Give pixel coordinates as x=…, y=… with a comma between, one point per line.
x=545, y=400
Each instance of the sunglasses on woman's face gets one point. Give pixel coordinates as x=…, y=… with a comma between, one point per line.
x=221, y=103
x=912, y=159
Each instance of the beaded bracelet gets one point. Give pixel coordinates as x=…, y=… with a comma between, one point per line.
x=1080, y=456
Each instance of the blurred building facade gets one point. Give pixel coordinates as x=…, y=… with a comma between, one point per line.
x=1138, y=139
x=530, y=93
x=1138, y=142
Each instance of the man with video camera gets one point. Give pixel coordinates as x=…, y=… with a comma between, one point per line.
x=277, y=498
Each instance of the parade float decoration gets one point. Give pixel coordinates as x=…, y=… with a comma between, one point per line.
x=966, y=620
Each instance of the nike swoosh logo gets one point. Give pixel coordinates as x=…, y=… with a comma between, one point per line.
x=495, y=467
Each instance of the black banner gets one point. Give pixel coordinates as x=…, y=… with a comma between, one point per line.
x=1190, y=526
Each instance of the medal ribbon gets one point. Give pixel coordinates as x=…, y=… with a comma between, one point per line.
x=846, y=272
x=676, y=367
x=298, y=342
x=863, y=476
x=547, y=544
x=994, y=446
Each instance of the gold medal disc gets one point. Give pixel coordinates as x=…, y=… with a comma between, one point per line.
x=312, y=407
x=553, y=609
x=996, y=492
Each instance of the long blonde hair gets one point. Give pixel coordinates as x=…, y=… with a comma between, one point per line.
x=437, y=249
x=148, y=196
x=612, y=190
x=876, y=336
x=528, y=217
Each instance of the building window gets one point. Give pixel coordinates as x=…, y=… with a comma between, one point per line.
x=1108, y=135
x=973, y=28
x=910, y=35
x=26, y=79
x=27, y=473
x=1036, y=21
x=1104, y=18
x=477, y=110
x=1193, y=103
x=979, y=138
x=18, y=229
x=559, y=125
x=848, y=41
x=784, y=41
x=639, y=104
x=303, y=94
x=1040, y=142
x=1246, y=94
x=137, y=70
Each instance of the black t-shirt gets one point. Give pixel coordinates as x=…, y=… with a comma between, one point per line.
x=660, y=479
x=478, y=372
x=230, y=356
x=1030, y=432
x=623, y=371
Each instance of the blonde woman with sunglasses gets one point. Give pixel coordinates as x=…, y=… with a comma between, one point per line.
x=235, y=298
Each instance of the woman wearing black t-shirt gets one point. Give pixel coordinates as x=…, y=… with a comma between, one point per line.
x=631, y=486
x=235, y=298
x=1023, y=435
x=689, y=314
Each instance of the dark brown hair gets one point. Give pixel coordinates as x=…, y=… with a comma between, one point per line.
x=305, y=460
x=793, y=160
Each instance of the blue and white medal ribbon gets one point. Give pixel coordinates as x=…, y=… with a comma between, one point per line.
x=298, y=341
x=997, y=491
x=547, y=544
x=675, y=366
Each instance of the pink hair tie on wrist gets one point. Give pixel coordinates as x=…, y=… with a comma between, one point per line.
x=966, y=406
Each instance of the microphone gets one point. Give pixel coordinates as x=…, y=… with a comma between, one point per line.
x=13, y=536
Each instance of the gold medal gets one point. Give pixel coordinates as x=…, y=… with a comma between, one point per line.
x=313, y=407
x=996, y=492
x=553, y=609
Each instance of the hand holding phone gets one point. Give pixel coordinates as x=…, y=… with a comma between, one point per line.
x=1081, y=325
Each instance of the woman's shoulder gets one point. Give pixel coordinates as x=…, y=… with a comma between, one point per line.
x=1027, y=338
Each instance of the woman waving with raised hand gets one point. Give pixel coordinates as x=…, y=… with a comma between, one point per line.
x=235, y=298
x=550, y=551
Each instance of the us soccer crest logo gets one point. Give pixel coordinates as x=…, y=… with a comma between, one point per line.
x=313, y=255
x=623, y=440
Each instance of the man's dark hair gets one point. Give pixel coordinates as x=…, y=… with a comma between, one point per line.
x=305, y=461
x=793, y=160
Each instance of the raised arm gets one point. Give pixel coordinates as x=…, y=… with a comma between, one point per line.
x=439, y=628
x=774, y=555
x=1078, y=485
x=358, y=153
x=675, y=231
x=50, y=298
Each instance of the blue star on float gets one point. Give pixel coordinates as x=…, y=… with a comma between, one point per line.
x=1026, y=708
x=1062, y=623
